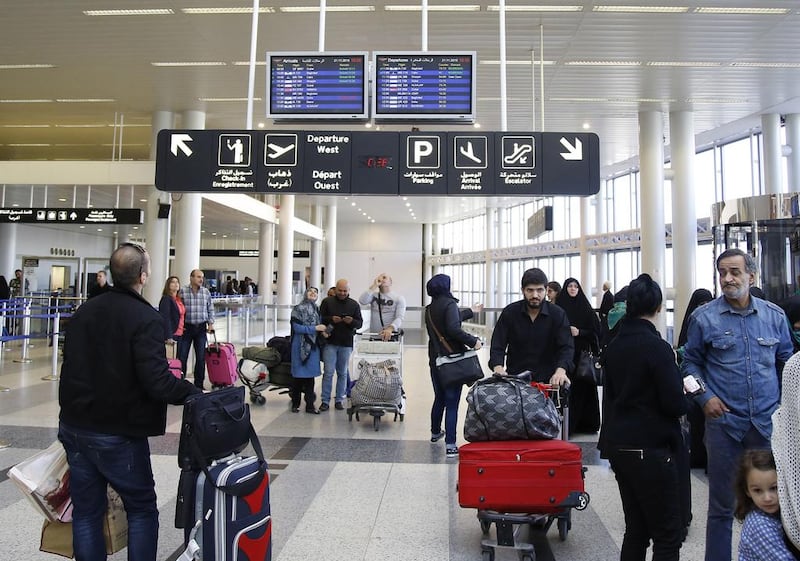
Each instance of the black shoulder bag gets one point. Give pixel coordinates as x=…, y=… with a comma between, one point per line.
x=455, y=368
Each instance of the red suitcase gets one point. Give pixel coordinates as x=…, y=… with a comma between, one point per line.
x=174, y=363
x=531, y=476
x=221, y=363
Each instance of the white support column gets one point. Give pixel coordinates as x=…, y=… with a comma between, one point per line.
x=793, y=142
x=316, y=250
x=8, y=251
x=600, y=257
x=187, y=219
x=330, y=247
x=285, y=254
x=427, y=251
x=495, y=237
x=157, y=230
x=684, y=214
x=771, y=132
x=651, y=197
x=266, y=261
x=586, y=259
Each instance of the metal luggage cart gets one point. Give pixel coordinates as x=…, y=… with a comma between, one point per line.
x=509, y=526
x=259, y=376
x=370, y=350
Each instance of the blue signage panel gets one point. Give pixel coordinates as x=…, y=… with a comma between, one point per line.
x=423, y=163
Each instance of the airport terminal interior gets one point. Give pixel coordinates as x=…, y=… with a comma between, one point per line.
x=696, y=110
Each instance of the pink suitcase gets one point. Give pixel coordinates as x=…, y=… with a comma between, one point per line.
x=174, y=363
x=221, y=363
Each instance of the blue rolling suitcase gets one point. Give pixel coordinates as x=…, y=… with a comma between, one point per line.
x=234, y=527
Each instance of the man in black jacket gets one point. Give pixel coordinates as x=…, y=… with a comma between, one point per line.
x=533, y=334
x=114, y=390
x=342, y=315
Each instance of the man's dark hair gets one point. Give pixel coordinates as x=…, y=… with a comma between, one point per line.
x=127, y=263
x=750, y=265
x=533, y=276
x=644, y=297
x=17, y=271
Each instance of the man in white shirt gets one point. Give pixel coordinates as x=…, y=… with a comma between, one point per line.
x=387, y=308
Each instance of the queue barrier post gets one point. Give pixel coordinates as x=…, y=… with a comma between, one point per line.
x=26, y=333
x=53, y=377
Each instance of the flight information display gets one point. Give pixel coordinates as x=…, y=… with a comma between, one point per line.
x=317, y=85
x=424, y=85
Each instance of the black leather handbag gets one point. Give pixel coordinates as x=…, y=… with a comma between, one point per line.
x=589, y=368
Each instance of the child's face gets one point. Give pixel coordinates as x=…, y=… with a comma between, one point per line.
x=762, y=487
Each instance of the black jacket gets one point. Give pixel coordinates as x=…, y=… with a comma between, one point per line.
x=643, y=392
x=342, y=334
x=114, y=379
x=445, y=314
x=171, y=314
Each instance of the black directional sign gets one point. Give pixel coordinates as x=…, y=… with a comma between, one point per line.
x=283, y=160
x=518, y=163
x=379, y=163
x=423, y=164
x=469, y=170
x=374, y=165
x=72, y=215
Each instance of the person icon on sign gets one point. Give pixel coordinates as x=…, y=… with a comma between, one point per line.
x=238, y=150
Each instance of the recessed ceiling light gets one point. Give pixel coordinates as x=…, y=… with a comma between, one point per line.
x=643, y=9
x=82, y=226
x=242, y=10
x=213, y=233
x=261, y=125
x=142, y=12
x=25, y=66
x=476, y=125
x=586, y=126
x=748, y=11
x=142, y=200
x=196, y=63
x=62, y=200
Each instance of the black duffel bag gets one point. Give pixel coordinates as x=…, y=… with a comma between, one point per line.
x=503, y=407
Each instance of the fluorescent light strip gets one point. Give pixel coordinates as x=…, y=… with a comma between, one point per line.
x=603, y=63
x=613, y=99
x=242, y=10
x=142, y=12
x=26, y=101
x=517, y=62
x=312, y=9
x=438, y=8
x=534, y=8
x=25, y=126
x=767, y=64
x=24, y=66
x=179, y=64
x=741, y=11
x=227, y=99
x=28, y=145
x=247, y=63
x=101, y=125
x=87, y=100
x=643, y=9
x=712, y=100
x=684, y=64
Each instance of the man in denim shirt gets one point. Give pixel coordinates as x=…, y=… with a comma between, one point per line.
x=737, y=346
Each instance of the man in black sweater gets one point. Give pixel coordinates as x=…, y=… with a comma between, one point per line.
x=342, y=315
x=114, y=390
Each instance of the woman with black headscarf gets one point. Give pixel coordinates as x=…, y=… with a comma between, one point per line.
x=444, y=315
x=584, y=406
x=791, y=307
x=306, y=327
x=699, y=297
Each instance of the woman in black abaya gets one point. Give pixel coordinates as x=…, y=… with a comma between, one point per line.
x=584, y=406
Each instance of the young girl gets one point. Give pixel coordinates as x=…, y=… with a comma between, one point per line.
x=757, y=505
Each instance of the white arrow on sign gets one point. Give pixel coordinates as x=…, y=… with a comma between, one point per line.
x=178, y=142
x=573, y=152
x=73, y=215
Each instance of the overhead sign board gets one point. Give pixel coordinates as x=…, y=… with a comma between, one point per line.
x=72, y=215
x=379, y=163
x=540, y=222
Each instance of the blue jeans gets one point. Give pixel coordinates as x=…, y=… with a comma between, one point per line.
x=194, y=334
x=723, y=459
x=335, y=358
x=445, y=403
x=95, y=461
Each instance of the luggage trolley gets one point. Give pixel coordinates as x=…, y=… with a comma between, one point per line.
x=516, y=484
x=259, y=372
x=375, y=384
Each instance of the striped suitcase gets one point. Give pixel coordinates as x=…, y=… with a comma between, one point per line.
x=233, y=528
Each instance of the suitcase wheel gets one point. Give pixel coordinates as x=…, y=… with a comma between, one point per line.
x=487, y=555
x=563, y=528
